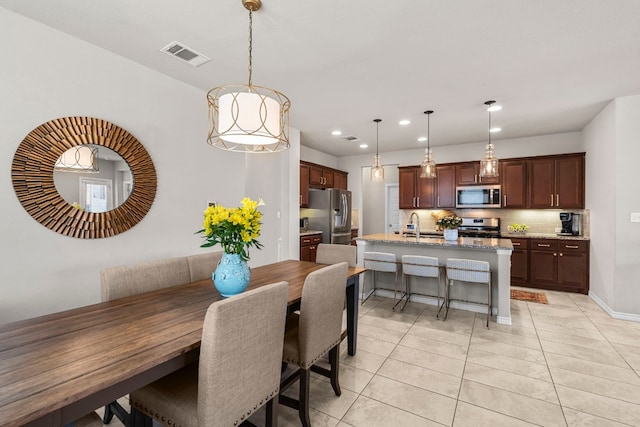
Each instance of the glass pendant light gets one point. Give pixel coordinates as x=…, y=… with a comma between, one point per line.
x=248, y=118
x=489, y=164
x=428, y=166
x=377, y=171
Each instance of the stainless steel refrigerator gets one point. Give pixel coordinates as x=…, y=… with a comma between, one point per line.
x=330, y=212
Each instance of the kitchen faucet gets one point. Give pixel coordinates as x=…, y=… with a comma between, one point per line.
x=417, y=228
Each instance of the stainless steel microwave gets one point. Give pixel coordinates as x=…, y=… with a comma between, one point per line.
x=478, y=196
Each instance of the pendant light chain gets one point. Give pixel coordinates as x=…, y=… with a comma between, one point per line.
x=250, y=45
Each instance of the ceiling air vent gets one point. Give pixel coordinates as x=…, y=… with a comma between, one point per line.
x=351, y=138
x=188, y=55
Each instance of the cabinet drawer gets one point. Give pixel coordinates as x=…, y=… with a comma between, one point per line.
x=573, y=246
x=544, y=244
x=520, y=243
x=312, y=239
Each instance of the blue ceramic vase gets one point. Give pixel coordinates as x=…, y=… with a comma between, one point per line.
x=232, y=275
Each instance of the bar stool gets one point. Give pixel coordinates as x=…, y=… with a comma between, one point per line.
x=381, y=262
x=470, y=271
x=422, y=266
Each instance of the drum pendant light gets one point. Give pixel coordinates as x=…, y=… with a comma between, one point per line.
x=428, y=165
x=248, y=118
x=489, y=164
x=377, y=171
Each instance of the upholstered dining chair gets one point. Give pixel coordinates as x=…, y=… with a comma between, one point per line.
x=314, y=332
x=126, y=280
x=202, y=266
x=333, y=254
x=238, y=371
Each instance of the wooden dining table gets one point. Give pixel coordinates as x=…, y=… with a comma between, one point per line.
x=56, y=368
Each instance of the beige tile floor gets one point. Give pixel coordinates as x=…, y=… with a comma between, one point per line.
x=563, y=364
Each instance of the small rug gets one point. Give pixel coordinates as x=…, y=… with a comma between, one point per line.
x=529, y=296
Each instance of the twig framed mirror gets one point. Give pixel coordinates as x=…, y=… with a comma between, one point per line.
x=32, y=174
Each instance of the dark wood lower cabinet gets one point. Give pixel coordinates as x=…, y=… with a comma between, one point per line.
x=520, y=261
x=554, y=264
x=309, y=246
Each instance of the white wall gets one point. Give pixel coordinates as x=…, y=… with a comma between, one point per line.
x=627, y=176
x=600, y=142
x=47, y=74
x=314, y=156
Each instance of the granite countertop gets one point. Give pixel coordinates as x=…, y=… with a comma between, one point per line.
x=541, y=236
x=462, y=242
x=309, y=232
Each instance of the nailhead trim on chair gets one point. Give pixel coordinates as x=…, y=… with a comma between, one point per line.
x=290, y=360
x=157, y=415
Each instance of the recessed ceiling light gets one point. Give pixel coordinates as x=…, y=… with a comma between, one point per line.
x=336, y=133
x=493, y=130
x=494, y=107
x=404, y=122
x=364, y=146
x=422, y=139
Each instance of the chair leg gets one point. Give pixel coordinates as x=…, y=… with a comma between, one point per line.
x=407, y=294
x=489, y=304
x=108, y=414
x=446, y=299
x=303, y=410
x=334, y=360
x=272, y=413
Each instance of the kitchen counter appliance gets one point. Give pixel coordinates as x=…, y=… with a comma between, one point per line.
x=330, y=212
x=571, y=224
x=479, y=227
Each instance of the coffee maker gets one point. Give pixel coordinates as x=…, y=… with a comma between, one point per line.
x=571, y=224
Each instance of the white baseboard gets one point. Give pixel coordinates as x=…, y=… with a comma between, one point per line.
x=611, y=312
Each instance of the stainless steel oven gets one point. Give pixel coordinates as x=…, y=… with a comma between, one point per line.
x=478, y=196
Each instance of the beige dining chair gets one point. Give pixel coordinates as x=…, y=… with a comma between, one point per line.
x=202, y=266
x=333, y=254
x=314, y=332
x=238, y=371
x=126, y=280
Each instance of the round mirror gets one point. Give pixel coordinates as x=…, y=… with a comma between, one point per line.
x=47, y=148
x=93, y=178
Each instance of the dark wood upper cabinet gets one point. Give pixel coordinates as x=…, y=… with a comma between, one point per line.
x=468, y=173
x=340, y=180
x=514, y=183
x=304, y=186
x=325, y=177
x=415, y=192
x=557, y=182
x=445, y=186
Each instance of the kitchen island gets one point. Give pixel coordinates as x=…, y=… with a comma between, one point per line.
x=497, y=252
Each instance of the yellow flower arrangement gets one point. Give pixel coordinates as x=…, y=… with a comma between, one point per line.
x=236, y=229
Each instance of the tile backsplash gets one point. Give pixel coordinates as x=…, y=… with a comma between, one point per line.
x=538, y=220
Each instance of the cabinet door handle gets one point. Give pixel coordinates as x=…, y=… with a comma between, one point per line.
x=540, y=245
x=438, y=201
x=306, y=240
x=475, y=178
x=505, y=200
x=551, y=200
x=312, y=247
x=560, y=253
x=515, y=244
x=557, y=199
x=554, y=254
x=571, y=246
x=418, y=202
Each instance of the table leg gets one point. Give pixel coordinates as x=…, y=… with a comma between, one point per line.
x=353, y=286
